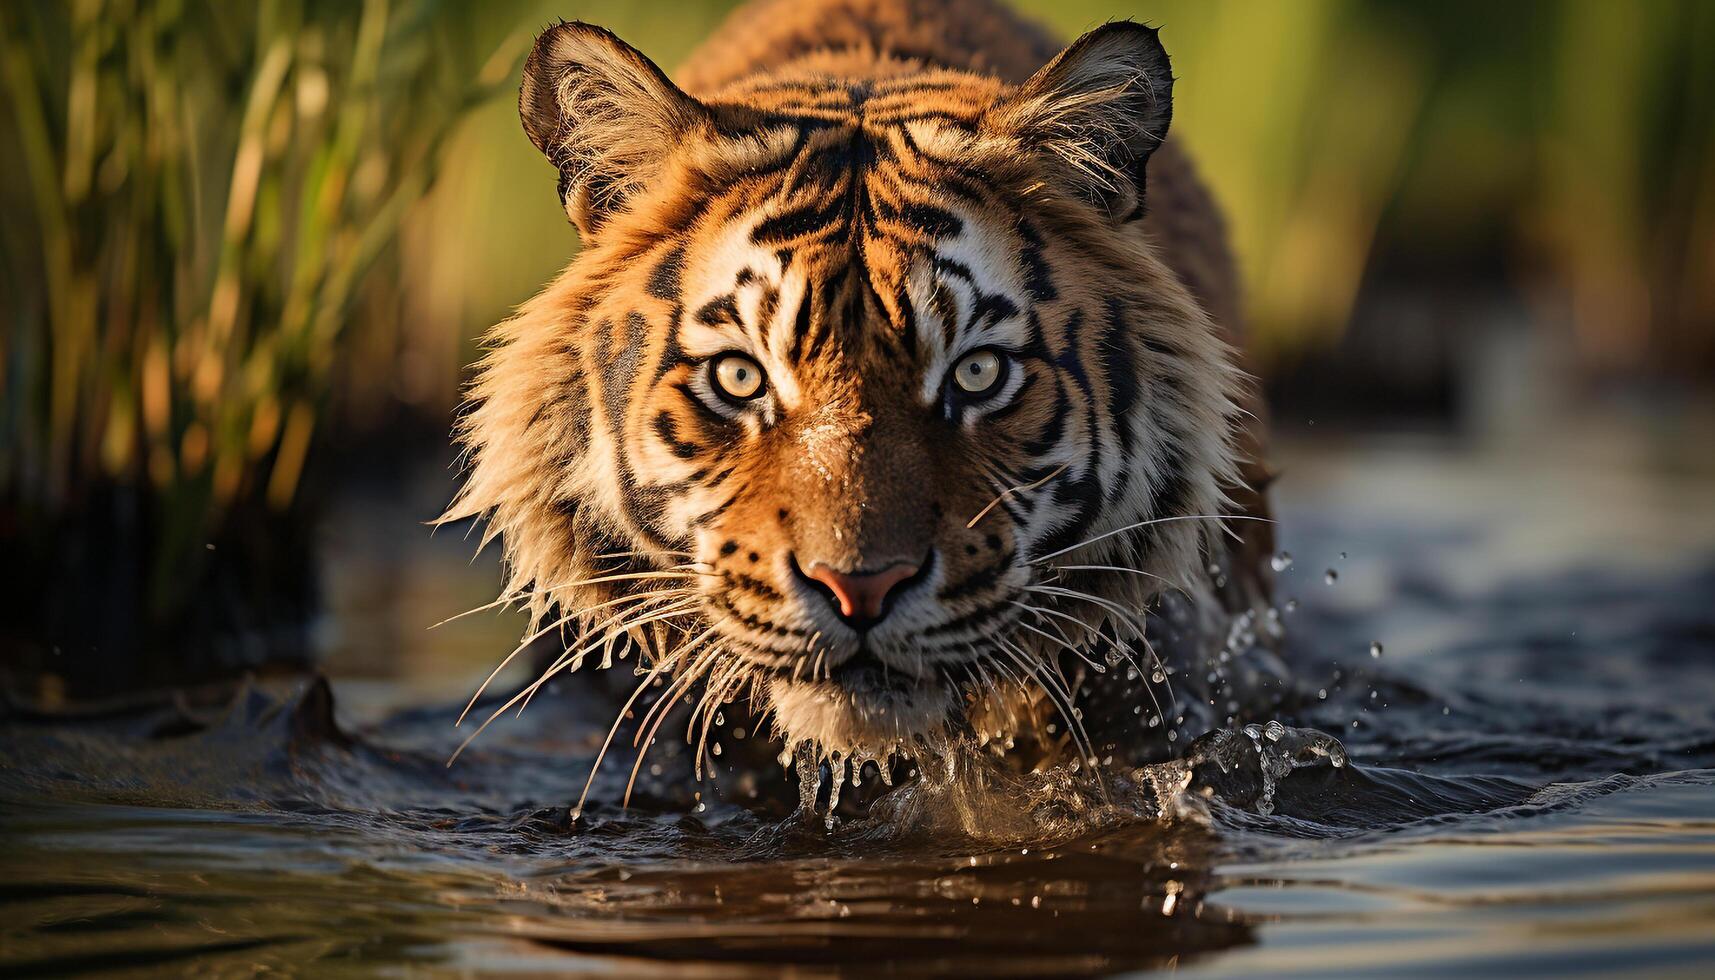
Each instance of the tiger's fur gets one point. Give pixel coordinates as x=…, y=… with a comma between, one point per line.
x=855, y=193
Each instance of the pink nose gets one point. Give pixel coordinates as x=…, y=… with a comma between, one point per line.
x=861, y=595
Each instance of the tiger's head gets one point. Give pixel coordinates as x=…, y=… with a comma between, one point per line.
x=866, y=397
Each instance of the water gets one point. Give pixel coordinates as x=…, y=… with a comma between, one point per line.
x=1531, y=790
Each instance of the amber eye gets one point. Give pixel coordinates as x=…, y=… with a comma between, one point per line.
x=979, y=372
x=736, y=377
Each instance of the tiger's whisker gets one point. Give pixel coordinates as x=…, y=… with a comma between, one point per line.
x=610, y=629
x=686, y=657
x=1120, y=568
x=1132, y=621
x=1158, y=520
x=504, y=600
x=670, y=552
x=502, y=665
x=522, y=594
x=1043, y=612
x=1057, y=692
x=716, y=694
x=1014, y=490
x=1118, y=644
x=558, y=623
x=619, y=719
x=523, y=695
x=662, y=708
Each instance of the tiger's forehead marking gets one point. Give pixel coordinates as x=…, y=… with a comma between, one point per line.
x=968, y=291
x=740, y=296
x=864, y=236
x=935, y=276
x=952, y=96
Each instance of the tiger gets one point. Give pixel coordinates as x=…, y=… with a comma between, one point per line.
x=895, y=386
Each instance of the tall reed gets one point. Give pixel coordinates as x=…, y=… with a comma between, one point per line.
x=202, y=193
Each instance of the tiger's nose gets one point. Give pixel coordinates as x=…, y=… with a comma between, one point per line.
x=860, y=596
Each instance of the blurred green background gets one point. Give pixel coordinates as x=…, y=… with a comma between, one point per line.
x=249, y=249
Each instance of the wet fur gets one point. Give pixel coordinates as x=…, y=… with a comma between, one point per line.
x=613, y=489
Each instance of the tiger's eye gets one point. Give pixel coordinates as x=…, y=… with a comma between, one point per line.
x=737, y=377
x=977, y=372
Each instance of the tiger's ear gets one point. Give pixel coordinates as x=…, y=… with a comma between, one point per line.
x=1101, y=107
x=604, y=114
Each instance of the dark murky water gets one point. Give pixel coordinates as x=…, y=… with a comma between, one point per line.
x=1532, y=791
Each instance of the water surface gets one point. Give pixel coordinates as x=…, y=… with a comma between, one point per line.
x=1532, y=790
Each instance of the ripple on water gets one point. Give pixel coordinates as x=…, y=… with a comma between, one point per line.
x=1484, y=826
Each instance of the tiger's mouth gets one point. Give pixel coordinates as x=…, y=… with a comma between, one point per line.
x=845, y=688
x=866, y=674
x=861, y=703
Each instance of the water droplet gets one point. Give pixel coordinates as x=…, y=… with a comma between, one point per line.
x=1330, y=576
x=1282, y=561
x=1376, y=650
x=1157, y=677
x=720, y=718
x=1292, y=605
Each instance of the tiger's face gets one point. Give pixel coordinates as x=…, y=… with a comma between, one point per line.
x=845, y=401
x=855, y=384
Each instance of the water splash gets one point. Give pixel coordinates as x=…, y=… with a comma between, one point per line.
x=817, y=769
x=1244, y=767
x=957, y=789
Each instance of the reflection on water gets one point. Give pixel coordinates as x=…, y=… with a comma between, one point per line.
x=1533, y=790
